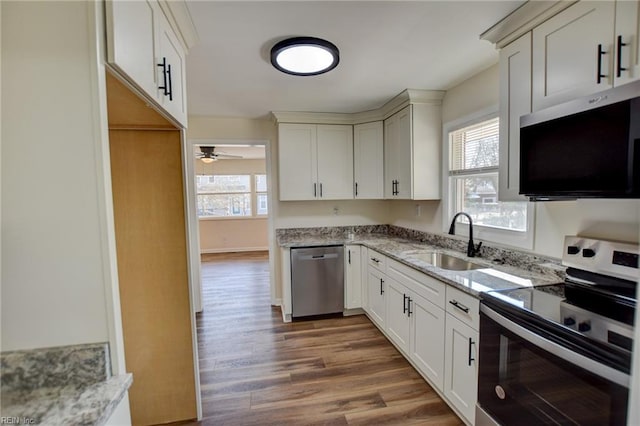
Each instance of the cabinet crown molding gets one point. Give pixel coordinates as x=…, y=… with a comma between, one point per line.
x=179, y=18
x=404, y=98
x=522, y=20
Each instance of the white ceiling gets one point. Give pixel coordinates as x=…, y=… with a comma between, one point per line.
x=385, y=47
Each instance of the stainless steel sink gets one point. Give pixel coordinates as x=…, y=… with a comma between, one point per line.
x=445, y=261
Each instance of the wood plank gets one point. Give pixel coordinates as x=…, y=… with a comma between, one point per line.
x=146, y=170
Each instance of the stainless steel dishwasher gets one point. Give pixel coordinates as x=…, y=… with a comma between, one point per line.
x=317, y=280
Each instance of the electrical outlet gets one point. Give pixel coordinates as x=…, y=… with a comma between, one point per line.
x=418, y=210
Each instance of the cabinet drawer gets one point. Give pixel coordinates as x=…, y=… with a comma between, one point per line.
x=377, y=261
x=422, y=284
x=464, y=307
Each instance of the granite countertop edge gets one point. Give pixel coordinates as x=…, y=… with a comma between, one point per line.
x=88, y=405
x=401, y=249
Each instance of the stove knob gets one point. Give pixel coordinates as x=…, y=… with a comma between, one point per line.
x=569, y=321
x=584, y=326
x=588, y=253
x=573, y=250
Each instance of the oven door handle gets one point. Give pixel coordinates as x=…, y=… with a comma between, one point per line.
x=604, y=371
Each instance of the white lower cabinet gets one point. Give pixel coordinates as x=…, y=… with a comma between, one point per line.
x=398, y=314
x=437, y=334
x=427, y=340
x=376, y=297
x=353, y=277
x=461, y=367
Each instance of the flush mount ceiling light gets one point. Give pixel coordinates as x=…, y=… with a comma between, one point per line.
x=305, y=56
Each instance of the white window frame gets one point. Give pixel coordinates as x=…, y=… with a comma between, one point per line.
x=504, y=237
x=253, y=193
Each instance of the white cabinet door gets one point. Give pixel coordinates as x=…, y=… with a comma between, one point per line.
x=461, y=367
x=566, y=58
x=627, y=42
x=397, y=310
x=427, y=339
x=131, y=41
x=297, y=161
x=171, y=81
x=404, y=158
x=335, y=162
x=398, y=155
x=515, y=101
x=375, y=297
x=391, y=153
x=353, y=277
x=368, y=160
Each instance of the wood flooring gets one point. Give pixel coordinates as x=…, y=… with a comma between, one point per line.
x=257, y=370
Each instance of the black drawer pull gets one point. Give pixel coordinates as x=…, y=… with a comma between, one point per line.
x=459, y=306
x=404, y=303
x=600, y=76
x=619, y=67
x=373, y=259
x=381, y=289
x=409, y=308
x=471, y=343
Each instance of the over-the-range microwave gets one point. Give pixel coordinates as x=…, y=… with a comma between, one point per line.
x=585, y=148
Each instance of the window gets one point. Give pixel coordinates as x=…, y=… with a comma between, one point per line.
x=261, y=195
x=230, y=195
x=473, y=184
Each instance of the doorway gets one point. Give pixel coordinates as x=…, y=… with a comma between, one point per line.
x=229, y=187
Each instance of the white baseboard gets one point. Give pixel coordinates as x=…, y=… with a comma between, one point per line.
x=233, y=250
x=276, y=302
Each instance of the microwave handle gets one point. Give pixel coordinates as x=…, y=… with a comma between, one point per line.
x=604, y=371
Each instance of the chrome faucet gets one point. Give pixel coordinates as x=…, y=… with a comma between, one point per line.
x=472, y=249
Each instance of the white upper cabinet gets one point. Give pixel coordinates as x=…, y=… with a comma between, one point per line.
x=515, y=101
x=143, y=48
x=315, y=161
x=368, y=160
x=412, y=140
x=171, y=71
x=131, y=40
x=627, y=42
x=573, y=53
x=335, y=162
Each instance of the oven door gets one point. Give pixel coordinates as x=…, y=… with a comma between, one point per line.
x=528, y=377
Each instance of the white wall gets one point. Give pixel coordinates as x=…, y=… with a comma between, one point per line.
x=55, y=265
x=229, y=234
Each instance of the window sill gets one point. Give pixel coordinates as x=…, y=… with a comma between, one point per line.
x=207, y=218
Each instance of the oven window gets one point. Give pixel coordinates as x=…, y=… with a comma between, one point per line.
x=552, y=390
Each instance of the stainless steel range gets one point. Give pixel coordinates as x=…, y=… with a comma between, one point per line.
x=562, y=354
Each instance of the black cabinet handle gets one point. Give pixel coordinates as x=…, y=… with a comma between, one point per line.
x=471, y=343
x=320, y=190
x=381, y=289
x=165, y=86
x=459, y=306
x=356, y=189
x=315, y=193
x=404, y=303
x=600, y=53
x=619, y=67
x=349, y=253
x=170, y=86
x=373, y=259
x=409, y=311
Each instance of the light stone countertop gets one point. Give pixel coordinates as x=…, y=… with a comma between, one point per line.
x=64, y=385
x=68, y=405
x=499, y=274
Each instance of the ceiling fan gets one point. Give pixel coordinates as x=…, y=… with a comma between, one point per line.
x=208, y=154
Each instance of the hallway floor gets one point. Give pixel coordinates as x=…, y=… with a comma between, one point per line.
x=257, y=370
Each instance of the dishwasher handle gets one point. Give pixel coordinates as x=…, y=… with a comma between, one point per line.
x=318, y=256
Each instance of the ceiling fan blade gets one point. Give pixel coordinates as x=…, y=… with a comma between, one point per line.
x=219, y=154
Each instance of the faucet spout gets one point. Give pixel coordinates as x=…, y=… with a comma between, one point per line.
x=472, y=250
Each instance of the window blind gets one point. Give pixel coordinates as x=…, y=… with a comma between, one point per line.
x=474, y=148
